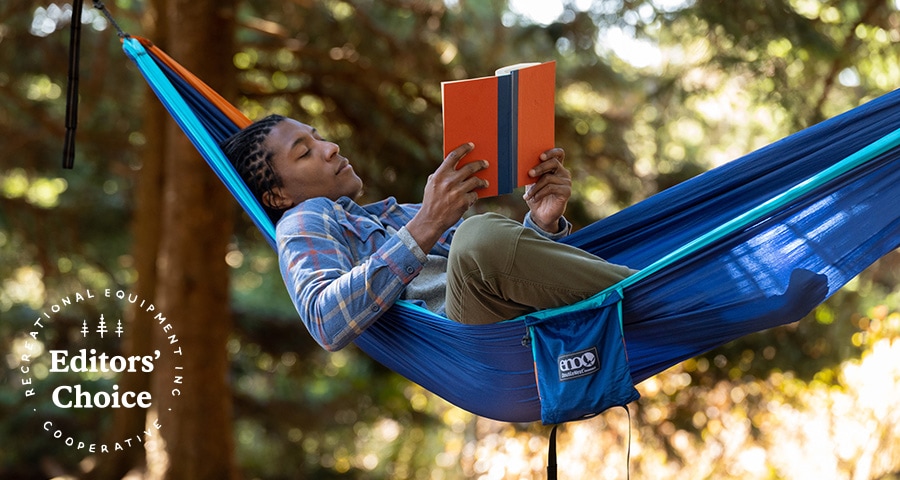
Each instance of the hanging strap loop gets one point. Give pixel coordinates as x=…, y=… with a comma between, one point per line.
x=551, y=455
x=72, y=88
x=100, y=6
x=551, y=451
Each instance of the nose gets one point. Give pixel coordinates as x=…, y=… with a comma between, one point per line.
x=332, y=149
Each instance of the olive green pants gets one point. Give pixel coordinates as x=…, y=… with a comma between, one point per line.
x=499, y=269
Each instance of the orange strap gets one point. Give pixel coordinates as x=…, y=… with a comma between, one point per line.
x=227, y=108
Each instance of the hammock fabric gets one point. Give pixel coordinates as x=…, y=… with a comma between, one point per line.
x=756, y=243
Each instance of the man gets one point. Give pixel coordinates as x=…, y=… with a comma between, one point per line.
x=345, y=264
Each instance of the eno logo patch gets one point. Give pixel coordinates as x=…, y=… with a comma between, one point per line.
x=578, y=364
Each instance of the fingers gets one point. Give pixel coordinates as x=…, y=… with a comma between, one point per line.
x=537, y=195
x=449, y=192
x=469, y=169
x=454, y=176
x=472, y=183
x=554, y=153
x=549, y=185
x=472, y=197
x=453, y=186
x=551, y=162
x=553, y=178
x=464, y=187
x=455, y=155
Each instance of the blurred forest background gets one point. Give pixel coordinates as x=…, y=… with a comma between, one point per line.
x=650, y=93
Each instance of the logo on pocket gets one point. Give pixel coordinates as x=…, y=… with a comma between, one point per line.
x=578, y=364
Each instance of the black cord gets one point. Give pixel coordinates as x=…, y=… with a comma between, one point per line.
x=72, y=89
x=551, y=455
x=551, y=451
x=628, y=455
x=100, y=6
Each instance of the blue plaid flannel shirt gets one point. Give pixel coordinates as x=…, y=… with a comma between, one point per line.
x=343, y=269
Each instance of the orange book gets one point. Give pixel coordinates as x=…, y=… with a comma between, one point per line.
x=510, y=119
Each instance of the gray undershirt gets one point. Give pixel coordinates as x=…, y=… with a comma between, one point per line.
x=430, y=285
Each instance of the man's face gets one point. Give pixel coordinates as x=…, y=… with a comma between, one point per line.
x=308, y=165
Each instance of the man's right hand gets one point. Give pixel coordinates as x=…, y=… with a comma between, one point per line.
x=450, y=191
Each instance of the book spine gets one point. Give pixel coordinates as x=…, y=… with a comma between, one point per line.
x=513, y=170
x=506, y=141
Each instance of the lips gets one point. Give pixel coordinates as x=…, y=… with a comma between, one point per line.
x=344, y=165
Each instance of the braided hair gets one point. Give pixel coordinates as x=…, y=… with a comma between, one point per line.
x=253, y=162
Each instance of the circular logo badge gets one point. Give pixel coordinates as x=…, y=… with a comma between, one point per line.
x=75, y=373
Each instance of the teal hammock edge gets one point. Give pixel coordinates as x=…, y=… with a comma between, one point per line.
x=782, y=200
x=482, y=368
x=198, y=134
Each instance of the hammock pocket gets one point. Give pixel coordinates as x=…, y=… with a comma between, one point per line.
x=580, y=361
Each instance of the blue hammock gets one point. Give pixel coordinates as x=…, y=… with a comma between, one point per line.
x=756, y=243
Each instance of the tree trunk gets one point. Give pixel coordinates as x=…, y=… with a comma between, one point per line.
x=193, y=439
x=145, y=228
x=139, y=334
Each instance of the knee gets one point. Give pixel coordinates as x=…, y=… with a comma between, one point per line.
x=478, y=231
x=484, y=242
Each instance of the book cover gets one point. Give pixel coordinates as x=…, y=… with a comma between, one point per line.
x=510, y=119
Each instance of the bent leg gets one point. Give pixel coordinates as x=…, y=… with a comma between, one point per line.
x=499, y=269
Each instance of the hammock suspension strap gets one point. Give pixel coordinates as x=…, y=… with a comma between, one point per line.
x=72, y=88
x=552, y=473
x=72, y=78
x=100, y=6
x=551, y=455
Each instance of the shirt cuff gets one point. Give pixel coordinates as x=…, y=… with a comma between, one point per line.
x=565, y=227
x=412, y=245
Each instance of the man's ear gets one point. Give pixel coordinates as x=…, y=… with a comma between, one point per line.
x=276, y=200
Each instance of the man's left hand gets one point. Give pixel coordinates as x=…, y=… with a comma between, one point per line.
x=548, y=197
